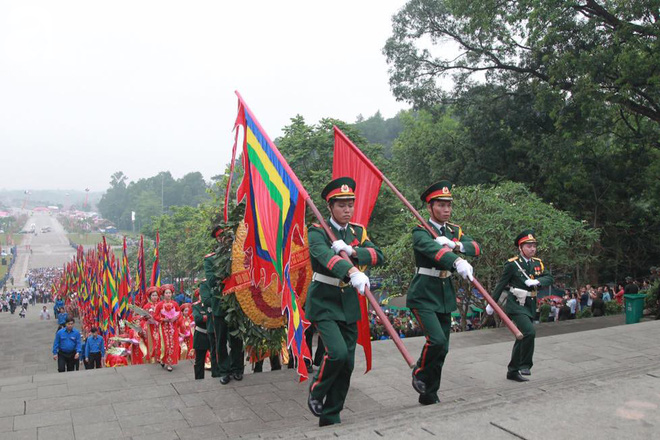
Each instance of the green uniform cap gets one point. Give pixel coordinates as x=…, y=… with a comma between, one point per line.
x=339, y=188
x=526, y=236
x=438, y=191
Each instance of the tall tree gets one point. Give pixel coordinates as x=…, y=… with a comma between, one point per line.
x=605, y=52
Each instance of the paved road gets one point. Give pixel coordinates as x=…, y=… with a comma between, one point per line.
x=49, y=249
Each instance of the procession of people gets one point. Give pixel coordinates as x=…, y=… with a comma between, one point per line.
x=164, y=332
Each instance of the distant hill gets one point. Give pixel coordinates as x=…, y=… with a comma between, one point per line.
x=378, y=130
x=61, y=198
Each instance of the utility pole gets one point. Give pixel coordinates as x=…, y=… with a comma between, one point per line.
x=162, y=198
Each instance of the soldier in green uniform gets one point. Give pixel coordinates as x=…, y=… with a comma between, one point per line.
x=521, y=275
x=229, y=363
x=206, y=298
x=332, y=303
x=431, y=295
x=200, y=338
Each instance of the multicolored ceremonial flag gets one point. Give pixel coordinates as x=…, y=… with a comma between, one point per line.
x=142, y=284
x=110, y=300
x=155, y=270
x=124, y=284
x=274, y=213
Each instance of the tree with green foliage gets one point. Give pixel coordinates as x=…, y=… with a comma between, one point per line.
x=378, y=130
x=587, y=51
x=494, y=216
x=149, y=197
x=595, y=171
x=562, y=96
x=184, y=240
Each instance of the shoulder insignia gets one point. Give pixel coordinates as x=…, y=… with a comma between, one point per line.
x=356, y=224
x=536, y=259
x=316, y=225
x=512, y=259
x=454, y=225
x=209, y=255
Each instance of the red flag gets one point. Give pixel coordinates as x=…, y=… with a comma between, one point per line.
x=349, y=161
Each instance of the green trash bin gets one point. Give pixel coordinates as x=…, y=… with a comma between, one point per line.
x=634, y=307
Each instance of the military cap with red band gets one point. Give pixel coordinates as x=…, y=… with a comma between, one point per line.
x=526, y=236
x=438, y=191
x=216, y=231
x=339, y=188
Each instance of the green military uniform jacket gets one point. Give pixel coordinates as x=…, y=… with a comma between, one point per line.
x=514, y=277
x=200, y=340
x=434, y=293
x=327, y=302
x=214, y=286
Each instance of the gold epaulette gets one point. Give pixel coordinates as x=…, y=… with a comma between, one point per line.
x=356, y=224
x=537, y=259
x=512, y=259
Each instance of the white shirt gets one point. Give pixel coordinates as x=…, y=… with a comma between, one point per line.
x=336, y=225
x=572, y=303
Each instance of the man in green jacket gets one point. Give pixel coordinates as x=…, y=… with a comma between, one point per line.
x=431, y=295
x=230, y=363
x=332, y=304
x=521, y=276
x=200, y=338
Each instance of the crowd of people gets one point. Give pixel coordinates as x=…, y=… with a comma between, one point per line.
x=565, y=307
x=159, y=332
x=38, y=291
x=594, y=298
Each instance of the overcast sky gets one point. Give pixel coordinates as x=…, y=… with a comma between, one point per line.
x=88, y=88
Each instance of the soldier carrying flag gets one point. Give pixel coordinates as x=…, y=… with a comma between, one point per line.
x=332, y=302
x=431, y=295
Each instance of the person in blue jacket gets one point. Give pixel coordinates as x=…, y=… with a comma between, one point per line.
x=67, y=347
x=94, y=349
x=59, y=304
x=62, y=316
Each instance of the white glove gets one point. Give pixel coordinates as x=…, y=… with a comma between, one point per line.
x=489, y=310
x=464, y=269
x=532, y=283
x=340, y=245
x=444, y=241
x=360, y=281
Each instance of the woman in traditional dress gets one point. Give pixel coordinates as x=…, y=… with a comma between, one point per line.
x=168, y=314
x=151, y=328
x=187, y=331
x=139, y=350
